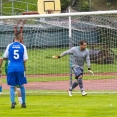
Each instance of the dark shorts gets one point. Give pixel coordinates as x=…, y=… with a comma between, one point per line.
x=16, y=79
x=77, y=71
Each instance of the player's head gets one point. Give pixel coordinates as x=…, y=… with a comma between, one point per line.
x=83, y=44
x=18, y=36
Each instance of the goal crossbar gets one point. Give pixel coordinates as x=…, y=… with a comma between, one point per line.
x=61, y=14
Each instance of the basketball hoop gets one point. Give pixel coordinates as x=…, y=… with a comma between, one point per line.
x=46, y=7
x=49, y=6
x=49, y=11
x=52, y=11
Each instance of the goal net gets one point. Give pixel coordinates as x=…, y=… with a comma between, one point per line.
x=48, y=35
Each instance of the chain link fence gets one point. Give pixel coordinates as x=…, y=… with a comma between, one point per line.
x=15, y=7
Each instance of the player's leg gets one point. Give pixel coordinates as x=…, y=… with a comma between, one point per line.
x=23, y=91
x=11, y=80
x=78, y=76
x=75, y=84
x=79, y=80
x=20, y=83
x=0, y=85
x=77, y=72
x=23, y=96
x=12, y=96
x=19, y=95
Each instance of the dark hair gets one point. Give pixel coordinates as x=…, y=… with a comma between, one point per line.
x=82, y=42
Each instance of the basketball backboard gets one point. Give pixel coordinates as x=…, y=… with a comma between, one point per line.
x=48, y=6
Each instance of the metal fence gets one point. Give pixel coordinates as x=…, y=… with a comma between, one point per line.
x=13, y=9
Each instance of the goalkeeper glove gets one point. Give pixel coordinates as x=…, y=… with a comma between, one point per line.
x=56, y=56
x=91, y=72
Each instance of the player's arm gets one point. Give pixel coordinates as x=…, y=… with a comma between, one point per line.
x=88, y=63
x=70, y=51
x=1, y=61
x=6, y=53
x=25, y=57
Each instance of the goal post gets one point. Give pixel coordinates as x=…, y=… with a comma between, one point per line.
x=48, y=37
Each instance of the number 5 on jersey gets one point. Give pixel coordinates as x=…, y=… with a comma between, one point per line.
x=16, y=54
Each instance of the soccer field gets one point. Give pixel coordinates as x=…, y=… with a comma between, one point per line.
x=61, y=105
x=49, y=79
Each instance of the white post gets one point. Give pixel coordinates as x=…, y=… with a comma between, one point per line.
x=69, y=24
x=70, y=45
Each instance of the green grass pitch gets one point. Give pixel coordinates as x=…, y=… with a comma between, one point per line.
x=61, y=105
x=40, y=62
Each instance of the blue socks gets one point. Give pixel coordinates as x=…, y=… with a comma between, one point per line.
x=75, y=84
x=12, y=94
x=0, y=88
x=22, y=93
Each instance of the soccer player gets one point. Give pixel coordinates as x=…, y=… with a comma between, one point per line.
x=79, y=55
x=6, y=66
x=16, y=53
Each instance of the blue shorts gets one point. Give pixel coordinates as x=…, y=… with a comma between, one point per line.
x=77, y=71
x=16, y=79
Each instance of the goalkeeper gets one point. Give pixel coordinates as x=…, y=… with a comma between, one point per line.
x=79, y=55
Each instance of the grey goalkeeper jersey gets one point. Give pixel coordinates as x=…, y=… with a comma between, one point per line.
x=78, y=57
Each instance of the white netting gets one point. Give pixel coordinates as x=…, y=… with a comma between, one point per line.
x=45, y=37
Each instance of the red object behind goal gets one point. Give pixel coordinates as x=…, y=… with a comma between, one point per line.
x=30, y=13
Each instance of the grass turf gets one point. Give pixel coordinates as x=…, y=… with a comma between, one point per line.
x=40, y=62
x=93, y=105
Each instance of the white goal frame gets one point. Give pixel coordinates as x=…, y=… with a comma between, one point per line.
x=69, y=15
